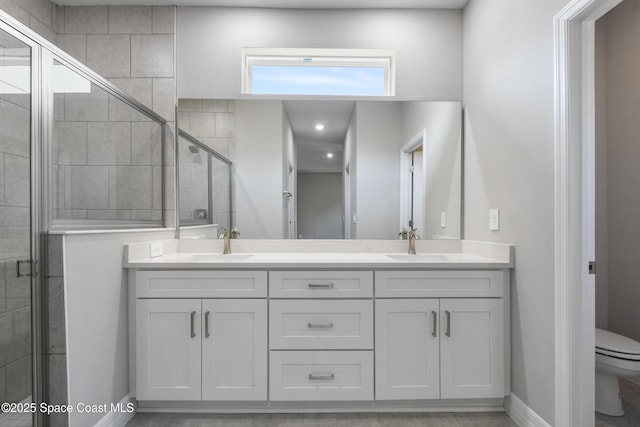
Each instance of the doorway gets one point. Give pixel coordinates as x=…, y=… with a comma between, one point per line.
x=20, y=354
x=412, y=183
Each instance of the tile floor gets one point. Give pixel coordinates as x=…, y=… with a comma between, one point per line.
x=438, y=419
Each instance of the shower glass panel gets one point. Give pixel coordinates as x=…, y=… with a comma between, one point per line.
x=204, y=184
x=15, y=228
x=107, y=157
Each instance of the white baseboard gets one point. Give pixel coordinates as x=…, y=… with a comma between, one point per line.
x=120, y=417
x=521, y=414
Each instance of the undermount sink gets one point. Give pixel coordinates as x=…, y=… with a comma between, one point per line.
x=418, y=257
x=219, y=257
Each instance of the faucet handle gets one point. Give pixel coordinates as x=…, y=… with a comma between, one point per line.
x=413, y=231
x=225, y=232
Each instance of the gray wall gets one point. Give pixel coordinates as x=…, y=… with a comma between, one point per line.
x=320, y=205
x=350, y=187
x=428, y=45
x=621, y=129
x=509, y=164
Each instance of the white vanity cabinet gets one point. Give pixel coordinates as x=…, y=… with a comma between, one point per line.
x=209, y=348
x=429, y=347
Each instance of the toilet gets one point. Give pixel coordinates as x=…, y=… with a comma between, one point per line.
x=616, y=356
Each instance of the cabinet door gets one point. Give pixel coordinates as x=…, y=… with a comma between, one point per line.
x=472, y=343
x=234, y=349
x=168, y=349
x=407, y=349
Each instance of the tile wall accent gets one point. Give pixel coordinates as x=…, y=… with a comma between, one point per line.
x=108, y=163
x=212, y=122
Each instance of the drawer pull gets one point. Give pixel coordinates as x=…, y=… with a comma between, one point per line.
x=206, y=324
x=434, y=332
x=320, y=285
x=321, y=377
x=448, y=314
x=320, y=325
x=193, y=324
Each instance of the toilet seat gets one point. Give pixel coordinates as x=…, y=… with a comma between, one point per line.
x=617, y=346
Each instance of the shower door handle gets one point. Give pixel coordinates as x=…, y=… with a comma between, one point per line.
x=24, y=268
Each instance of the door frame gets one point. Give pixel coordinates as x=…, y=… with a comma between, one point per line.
x=574, y=78
x=37, y=236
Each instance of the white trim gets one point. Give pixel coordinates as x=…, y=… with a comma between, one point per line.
x=574, y=234
x=117, y=419
x=521, y=414
x=381, y=58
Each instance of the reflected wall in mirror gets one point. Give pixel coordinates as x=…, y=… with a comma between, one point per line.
x=204, y=188
x=337, y=169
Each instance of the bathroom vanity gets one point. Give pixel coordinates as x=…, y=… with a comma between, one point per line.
x=286, y=325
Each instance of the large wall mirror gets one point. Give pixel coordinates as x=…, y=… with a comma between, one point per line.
x=324, y=169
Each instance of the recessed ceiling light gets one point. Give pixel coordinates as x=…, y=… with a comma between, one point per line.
x=319, y=126
x=330, y=155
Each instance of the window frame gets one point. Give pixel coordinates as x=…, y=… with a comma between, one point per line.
x=313, y=57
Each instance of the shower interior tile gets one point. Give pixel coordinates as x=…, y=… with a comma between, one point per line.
x=69, y=143
x=57, y=371
x=163, y=20
x=190, y=105
x=19, y=379
x=17, y=180
x=87, y=107
x=130, y=187
x=71, y=214
x=3, y=266
x=14, y=231
x=109, y=55
x=183, y=120
x=54, y=255
x=87, y=187
x=225, y=125
x=146, y=215
x=15, y=138
x=86, y=20
x=2, y=202
x=111, y=214
x=56, y=320
x=152, y=55
x=18, y=290
x=214, y=105
x=14, y=335
x=3, y=384
x=75, y=45
x=109, y=143
x=202, y=124
x=146, y=143
x=130, y=19
x=157, y=187
x=163, y=98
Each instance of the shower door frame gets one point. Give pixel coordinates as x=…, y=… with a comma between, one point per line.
x=37, y=245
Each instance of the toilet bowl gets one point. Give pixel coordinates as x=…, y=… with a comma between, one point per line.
x=616, y=356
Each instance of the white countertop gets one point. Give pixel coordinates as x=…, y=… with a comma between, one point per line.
x=199, y=254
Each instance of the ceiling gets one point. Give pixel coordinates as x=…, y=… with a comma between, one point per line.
x=286, y=4
x=334, y=115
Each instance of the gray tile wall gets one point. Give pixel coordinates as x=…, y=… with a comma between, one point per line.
x=108, y=159
x=39, y=15
x=213, y=122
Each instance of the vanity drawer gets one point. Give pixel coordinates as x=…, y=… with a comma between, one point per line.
x=439, y=283
x=200, y=284
x=321, y=284
x=325, y=324
x=321, y=375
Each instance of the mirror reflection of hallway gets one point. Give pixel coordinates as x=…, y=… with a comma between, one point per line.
x=319, y=205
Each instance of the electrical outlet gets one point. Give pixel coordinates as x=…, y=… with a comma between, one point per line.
x=494, y=219
x=443, y=219
x=156, y=249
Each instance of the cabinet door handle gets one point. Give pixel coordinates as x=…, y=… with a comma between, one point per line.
x=193, y=324
x=448, y=314
x=321, y=377
x=434, y=331
x=320, y=285
x=206, y=324
x=320, y=325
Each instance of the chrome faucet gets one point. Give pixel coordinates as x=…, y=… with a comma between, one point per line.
x=412, y=241
x=227, y=241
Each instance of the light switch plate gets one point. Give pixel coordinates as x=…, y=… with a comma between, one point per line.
x=494, y=219
x=155, y=249
x=443, y=219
